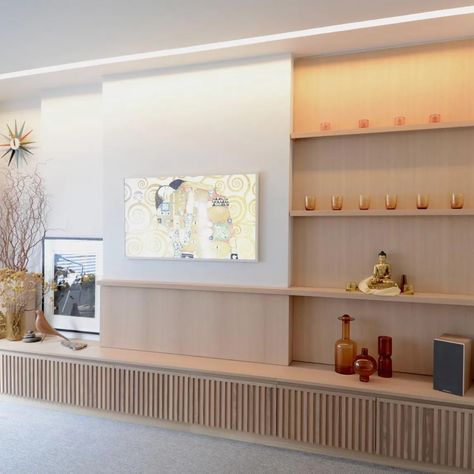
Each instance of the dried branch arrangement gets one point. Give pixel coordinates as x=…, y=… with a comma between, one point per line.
x=22, y=218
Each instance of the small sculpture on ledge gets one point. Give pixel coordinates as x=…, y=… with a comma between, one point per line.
x=45, y=329
x=380, y=282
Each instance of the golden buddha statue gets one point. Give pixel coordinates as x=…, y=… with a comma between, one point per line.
x=380, y=282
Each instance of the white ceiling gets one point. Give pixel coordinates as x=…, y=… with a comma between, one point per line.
x=37, y=33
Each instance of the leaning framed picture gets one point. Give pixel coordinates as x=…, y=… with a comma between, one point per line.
x=74, y=265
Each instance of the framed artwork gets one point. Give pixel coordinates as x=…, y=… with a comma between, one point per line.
x=192, y=217
x=74, y=265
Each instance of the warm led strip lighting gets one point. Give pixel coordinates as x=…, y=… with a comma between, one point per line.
x=322, y=30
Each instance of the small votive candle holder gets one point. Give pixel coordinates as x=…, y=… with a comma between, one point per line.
x=336, y=203
x=434, y=118
x=457, y=201
x=310, y=203
x=391, y=201
x=364, y=123
x=422, y=201
x=325, y=126
x=364, y=202
x=399, y=120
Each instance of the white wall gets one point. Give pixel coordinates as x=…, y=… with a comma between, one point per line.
x=222, y=118
x=67, y=129
x=71, y=156
x=216, y=119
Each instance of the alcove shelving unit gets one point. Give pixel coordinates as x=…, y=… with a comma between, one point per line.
x=432, y=247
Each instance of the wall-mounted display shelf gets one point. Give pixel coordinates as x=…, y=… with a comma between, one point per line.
x=427, y=298
x=424, y=298
x=384, y=213
x=369, y=131
x=258, y=289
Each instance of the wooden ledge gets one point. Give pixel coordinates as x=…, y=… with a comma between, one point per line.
x=268, y=290
x=391, y=129
x=406, y=386
x=335, y=293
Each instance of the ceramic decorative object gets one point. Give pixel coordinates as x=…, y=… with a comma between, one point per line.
x=385, y=356
x=345, y=348
x=364, y=365
x=457, y=201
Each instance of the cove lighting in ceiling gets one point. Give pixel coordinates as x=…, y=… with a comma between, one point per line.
x=322, y=30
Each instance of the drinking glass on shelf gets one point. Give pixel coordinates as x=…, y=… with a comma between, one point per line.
x=324, y=126
x=364, y=123
x=434, y=118
x=310, y=203
x=364, y=202
x=422, y=201
x=391, y=201
x=336, y=202
x=457, y=201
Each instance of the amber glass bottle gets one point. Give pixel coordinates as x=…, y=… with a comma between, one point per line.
x=345, y=348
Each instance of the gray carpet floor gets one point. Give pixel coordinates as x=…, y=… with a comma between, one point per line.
x=37, y=440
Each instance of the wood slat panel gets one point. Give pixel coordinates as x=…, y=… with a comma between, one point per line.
x=292, y=413
x=324, y=418
x=426, y=433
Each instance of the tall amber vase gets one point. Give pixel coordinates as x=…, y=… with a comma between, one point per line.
x=345, y=348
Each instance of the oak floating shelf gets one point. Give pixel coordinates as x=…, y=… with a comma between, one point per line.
x=384, y=213
x=423, y=298
x=392, y=129
x=338, y=293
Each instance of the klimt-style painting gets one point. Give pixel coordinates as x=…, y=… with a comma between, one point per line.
x=192, y=217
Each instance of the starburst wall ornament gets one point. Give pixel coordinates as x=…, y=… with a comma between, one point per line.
x=18, y=145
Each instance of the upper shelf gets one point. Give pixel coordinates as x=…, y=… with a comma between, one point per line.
x=368, y=131
x=419, y=298
x=384, y=213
